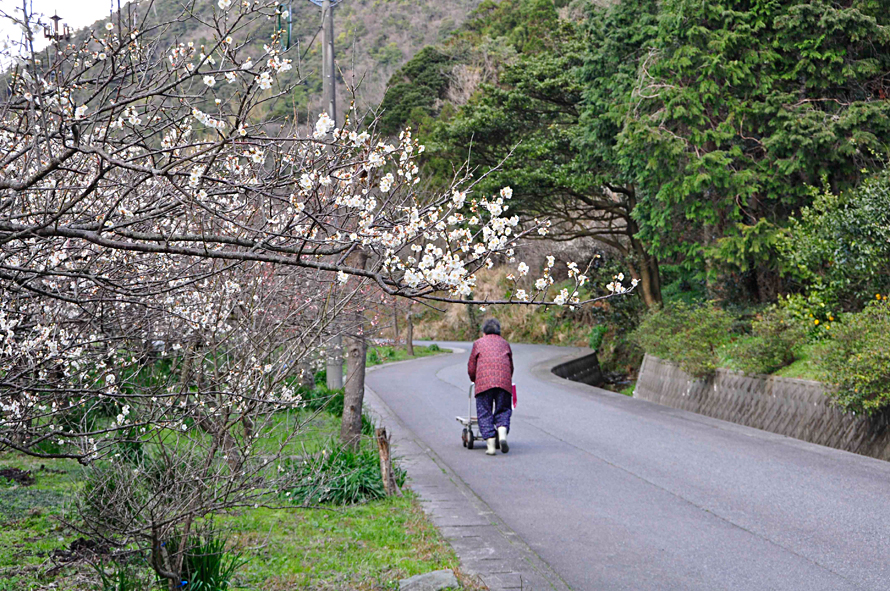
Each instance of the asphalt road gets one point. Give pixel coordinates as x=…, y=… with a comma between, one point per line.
x=617, y=493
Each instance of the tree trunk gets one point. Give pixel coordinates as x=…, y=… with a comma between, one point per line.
x=335, y=362
x=649, y=273
x=471, y=318
x=410, y=341
x=351, y=425
x=395, y=324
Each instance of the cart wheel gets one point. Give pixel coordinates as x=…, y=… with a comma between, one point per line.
x=470, y=440
x=463, y=437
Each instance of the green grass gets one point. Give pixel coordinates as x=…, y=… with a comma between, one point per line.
x=31, y=526
x=805, y=367
x=378, y=355
x=368, y=546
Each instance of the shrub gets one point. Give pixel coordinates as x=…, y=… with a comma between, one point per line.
x=858, y=360
x=340, y=476
x=206, y=564
x=433, y=347
x=688, y=335
x=777, y=335
x=595, y=340
x=840, y=244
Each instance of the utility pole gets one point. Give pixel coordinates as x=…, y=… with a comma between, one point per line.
x=329, y=100
x=328, y=69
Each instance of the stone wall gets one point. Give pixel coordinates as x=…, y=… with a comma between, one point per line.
x=584, y=369
x=796, y=408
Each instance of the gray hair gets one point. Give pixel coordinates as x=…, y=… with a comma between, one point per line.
x=491, y=326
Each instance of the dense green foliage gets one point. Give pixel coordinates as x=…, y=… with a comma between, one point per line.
x=688, y=335
x=414, y=89
x=740, y=106
x=858, y=362
x=839, y=247
x=776, y=336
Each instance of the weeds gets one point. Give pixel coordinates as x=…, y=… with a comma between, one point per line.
x=340, y=476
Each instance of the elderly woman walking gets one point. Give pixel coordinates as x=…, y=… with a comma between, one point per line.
x=491, y=369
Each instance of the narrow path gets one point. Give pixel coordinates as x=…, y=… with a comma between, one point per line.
x=616, y=493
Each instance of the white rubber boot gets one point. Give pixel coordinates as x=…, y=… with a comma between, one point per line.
x=490, y=451
x=502, y=439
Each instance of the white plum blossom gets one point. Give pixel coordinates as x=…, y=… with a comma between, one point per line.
x=209, y=80
x=386, y=182
x=323, y=126
x=376, y=160
x=265, y=81
x=207, y=120
x=562, y=297
x=224, y=4
x=306, y=182
x=522, y=268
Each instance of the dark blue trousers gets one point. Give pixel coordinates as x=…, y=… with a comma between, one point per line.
x=493, y=409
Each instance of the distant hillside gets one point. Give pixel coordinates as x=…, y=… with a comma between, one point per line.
x=374, y=38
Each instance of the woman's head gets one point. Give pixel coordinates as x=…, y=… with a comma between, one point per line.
x=491, y=326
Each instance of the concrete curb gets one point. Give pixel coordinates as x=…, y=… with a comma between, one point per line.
x=488, y=549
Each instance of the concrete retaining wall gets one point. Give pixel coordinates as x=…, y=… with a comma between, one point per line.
x=796, y=408
x=584, y=369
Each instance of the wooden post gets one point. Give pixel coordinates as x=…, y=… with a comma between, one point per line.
x=386, y=471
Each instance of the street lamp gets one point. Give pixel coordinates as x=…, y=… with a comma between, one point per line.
x=55, y=32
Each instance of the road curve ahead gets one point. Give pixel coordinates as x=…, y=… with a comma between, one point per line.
x=617, y=493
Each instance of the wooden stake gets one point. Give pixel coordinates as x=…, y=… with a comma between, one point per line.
x=386, y=471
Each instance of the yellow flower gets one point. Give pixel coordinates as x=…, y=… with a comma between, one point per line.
x=830, y=317
x=817, y=321
x=877, y=295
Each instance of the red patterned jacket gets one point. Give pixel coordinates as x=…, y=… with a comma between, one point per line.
x=491, y=364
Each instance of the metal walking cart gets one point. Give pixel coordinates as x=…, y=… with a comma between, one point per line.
x=468, y=436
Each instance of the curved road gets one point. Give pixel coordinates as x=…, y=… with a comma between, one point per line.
x=617, y=493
